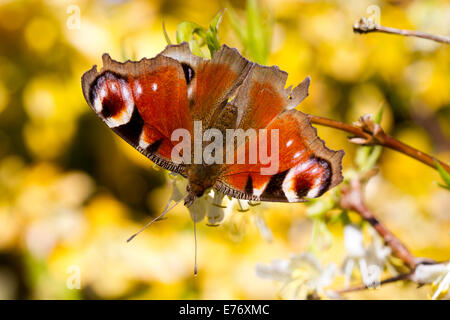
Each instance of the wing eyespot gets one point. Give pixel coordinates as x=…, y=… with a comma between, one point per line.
x=189, y=73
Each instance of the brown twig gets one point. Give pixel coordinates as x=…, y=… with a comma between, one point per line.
x=352, y=199
x=365, y=25
x=366, y=135
x=404, y=276
x=367, y=132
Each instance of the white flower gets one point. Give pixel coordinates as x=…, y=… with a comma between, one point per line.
x=216, y=212
x=262, y=227
x=215, y=207
x=210, y=206
x=279, y=270
x=371, y=259
x=302, y=275
x=436, y=274
x=199, y=208
x=240, y=213
x=353, y=240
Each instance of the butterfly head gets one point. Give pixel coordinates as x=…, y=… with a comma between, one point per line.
x=195, y=190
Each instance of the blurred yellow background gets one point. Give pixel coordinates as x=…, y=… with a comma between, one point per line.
x=71, y=192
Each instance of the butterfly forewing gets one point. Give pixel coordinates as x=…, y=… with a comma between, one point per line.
x=143, y=102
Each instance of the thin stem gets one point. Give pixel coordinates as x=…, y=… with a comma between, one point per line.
x=400, y=277
x=385, y=140
x=365, y=25
x=352, y=199
x=340, y=125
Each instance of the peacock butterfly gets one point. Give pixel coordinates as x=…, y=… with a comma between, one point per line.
x=146, y=102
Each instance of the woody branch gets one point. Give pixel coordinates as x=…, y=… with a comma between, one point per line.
x=366, y=132
x=352, y=199
x=401, y=277
x=365, y=25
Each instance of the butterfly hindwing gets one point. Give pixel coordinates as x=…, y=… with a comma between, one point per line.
x=305, y=168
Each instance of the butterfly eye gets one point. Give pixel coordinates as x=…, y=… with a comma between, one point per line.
x=188, y=72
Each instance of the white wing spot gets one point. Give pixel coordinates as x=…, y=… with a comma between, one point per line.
x=288, y=144
x=142, y=143
x=102, y=93
x=138, y=89
x=315, y=189
x=126, y=93
x=297, y=154
x=98, y=104
x=155, y=86
x=288, y=186
x=258, y=191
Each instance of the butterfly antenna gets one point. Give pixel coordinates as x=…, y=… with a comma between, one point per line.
x=166, y=209
x=195, y=245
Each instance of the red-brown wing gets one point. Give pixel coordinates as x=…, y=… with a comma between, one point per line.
x=210, y=83
x=304, y=167
x=262, y=96
x=143, y=102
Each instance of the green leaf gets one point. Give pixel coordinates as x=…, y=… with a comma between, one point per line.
x=342, y=217
x=362, y=154
x=444, y=175
x=212, y=37
x=198, y=37
x=195, y=48
x=186, y=30
x=238, y=27
x=321, y=237
x=379, y=115
x=214, y=24
x=212, y=41
x=318, y=207
x=255, y=35
x=193, y=34
x=258, y=33
x=372, y=158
